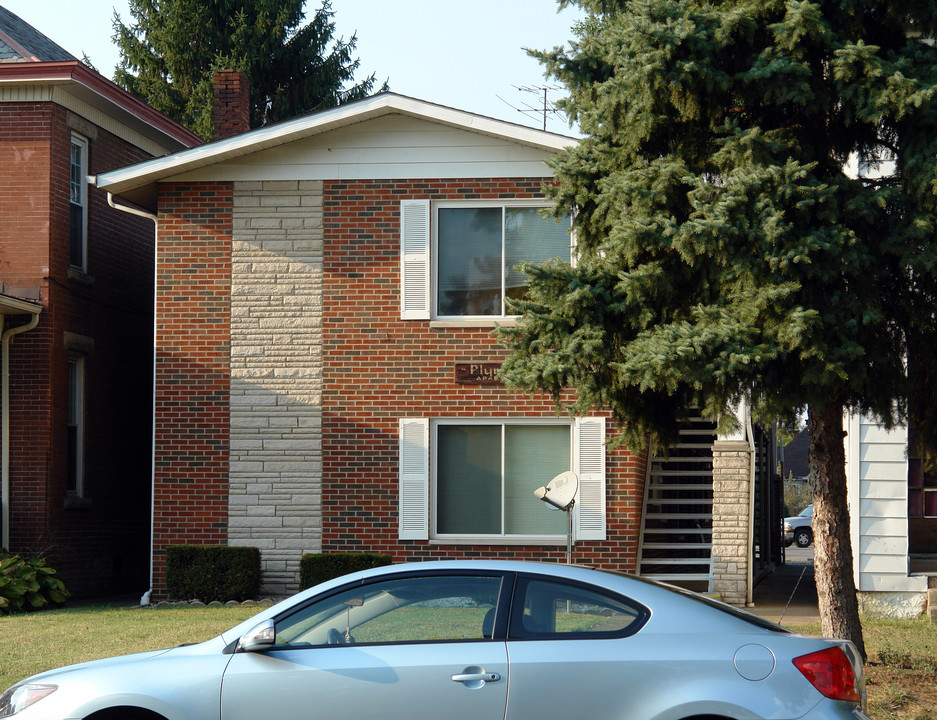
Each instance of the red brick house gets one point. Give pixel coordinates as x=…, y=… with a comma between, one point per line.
x=76, y=280
x=327, y=290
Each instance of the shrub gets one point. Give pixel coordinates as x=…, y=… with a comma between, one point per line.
x=212, y=572
x=317, y=568
x=28, y=584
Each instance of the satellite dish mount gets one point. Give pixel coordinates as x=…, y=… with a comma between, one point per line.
x=560, y=494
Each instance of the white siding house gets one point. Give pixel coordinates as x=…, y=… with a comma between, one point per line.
x=877, y=477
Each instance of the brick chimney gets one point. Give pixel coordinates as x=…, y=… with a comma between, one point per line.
x=231, y=103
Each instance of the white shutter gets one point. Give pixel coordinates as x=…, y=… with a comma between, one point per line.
x=414, y=479
x=590, y=466
x=414, y=260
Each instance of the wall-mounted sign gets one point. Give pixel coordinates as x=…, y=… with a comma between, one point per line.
x=477, y=373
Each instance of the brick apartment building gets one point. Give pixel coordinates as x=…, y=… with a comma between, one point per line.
x=76, y=305
x=327, y=291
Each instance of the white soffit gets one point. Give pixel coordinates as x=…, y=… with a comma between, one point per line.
x=125, y=180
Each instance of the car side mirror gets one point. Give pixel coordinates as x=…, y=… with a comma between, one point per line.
x=258, y=638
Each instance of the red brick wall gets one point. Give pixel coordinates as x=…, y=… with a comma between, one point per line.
x=193, y=368
x=25, y=129
x=100, y=545
x=378, y=368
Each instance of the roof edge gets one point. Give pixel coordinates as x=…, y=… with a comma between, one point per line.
x=150, y=171
x=32, y=73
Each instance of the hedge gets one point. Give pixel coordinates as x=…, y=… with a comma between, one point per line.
x=212, y=572
x=317, y=568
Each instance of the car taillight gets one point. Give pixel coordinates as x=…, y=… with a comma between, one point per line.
x=830, y=672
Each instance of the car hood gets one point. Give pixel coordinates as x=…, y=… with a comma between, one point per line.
x=214, y=646
x=51, y=675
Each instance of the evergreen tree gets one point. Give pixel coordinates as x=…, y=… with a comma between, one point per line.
x=724, y=250
x=169, y=53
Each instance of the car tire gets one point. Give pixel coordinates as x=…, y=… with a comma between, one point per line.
x=803, y=537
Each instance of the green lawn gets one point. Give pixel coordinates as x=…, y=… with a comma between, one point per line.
x=39, y=641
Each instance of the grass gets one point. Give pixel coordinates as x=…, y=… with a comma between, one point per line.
x=39, y=641
x=901, y=671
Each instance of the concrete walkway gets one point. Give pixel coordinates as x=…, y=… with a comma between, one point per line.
x=788, y=596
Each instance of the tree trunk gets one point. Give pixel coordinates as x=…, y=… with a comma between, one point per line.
x=833, y=567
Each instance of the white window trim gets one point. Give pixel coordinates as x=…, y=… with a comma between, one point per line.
x=82, y=142
x=479, y=539
x=469, y=320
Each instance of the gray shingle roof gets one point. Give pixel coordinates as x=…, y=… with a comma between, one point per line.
x=30, y=39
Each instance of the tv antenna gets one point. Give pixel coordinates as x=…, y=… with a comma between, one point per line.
x=545, y=106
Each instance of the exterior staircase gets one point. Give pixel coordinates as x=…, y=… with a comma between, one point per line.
x=676, y=526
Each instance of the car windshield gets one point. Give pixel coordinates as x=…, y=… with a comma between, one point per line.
x=806, y=512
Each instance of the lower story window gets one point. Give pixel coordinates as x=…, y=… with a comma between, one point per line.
x=473, y=481
x=486, y=476
x=74, y=421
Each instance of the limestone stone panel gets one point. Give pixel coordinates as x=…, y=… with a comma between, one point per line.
x=276, y=375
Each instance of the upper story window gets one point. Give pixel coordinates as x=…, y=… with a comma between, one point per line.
x=78, y=203
x=478, y=250
x=459, y=259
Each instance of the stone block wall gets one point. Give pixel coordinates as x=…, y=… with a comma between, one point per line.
x=275, y=490
x=731, y=508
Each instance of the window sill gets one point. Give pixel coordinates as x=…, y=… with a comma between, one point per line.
x=74, y=502
x=551, y=541
x=475, y=323
x=79, y=276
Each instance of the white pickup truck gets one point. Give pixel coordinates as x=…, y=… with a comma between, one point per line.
x=798, y=530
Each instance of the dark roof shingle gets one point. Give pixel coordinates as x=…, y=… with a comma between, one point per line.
x=39, y=47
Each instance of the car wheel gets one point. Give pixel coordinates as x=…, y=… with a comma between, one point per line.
x=803, y=537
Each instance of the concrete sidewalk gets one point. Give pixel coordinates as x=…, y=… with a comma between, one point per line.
x=788, y=596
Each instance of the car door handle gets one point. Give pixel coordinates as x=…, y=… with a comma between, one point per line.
x=476, y=677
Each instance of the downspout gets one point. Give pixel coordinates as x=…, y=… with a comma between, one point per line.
x=145, y=598
x=5, y=340
x=749, y=602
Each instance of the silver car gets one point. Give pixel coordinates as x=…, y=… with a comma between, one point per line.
x=471, y=640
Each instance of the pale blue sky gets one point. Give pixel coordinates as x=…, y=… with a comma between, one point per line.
x=462, y=53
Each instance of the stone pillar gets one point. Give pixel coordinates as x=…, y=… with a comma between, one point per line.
x=731, y=551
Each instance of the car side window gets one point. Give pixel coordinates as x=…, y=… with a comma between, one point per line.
x=547, y=609
x=400, y=610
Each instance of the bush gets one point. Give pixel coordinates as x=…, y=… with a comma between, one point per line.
x=317, y=568
x=212, y=572
x=28, y=584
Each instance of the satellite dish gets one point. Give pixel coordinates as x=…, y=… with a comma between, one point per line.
x=560, y=491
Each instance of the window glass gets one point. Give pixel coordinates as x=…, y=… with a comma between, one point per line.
x=468, y=475
x=529, y=237
x=74, y=421
x=551, y=609
x=469, y=261
x=533, y=455
x=78, y=202
x=486, y=476
x=418, y=609
x=478, y=249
